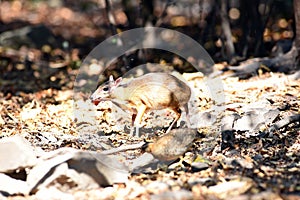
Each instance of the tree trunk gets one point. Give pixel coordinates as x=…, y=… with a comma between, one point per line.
x=230, y=51
x=297, y=29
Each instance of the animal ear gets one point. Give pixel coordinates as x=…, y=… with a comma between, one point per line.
x=111, y=78
x=118, y=81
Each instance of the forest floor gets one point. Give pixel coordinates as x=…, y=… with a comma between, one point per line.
x=258, y=158
x=262, y=165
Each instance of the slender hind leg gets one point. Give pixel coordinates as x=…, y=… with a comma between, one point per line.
x=132, y=124
x=178, y=114
x=138, y=118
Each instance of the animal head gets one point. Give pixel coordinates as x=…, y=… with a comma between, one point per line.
x=104, y=91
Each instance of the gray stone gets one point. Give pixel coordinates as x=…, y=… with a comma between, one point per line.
x=173, y=195
x=16, y=153
x=10, y=186
x=76, y=168
x=156, y=187
x=202, y=181
x=198, y=166
x=53, y=193
x=255, y=118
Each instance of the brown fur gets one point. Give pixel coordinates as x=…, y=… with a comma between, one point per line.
x=153, y=91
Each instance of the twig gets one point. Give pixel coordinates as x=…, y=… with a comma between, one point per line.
x=284, y=122
x=123, y=148
x=10, y=115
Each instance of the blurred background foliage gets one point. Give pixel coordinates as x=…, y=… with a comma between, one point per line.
x=60, y=33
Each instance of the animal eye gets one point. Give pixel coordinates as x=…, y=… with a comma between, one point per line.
x=105, y=89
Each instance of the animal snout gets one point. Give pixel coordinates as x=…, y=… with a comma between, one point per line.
x=92, y=98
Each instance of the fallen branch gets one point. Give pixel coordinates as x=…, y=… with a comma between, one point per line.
x=284, y=122
x=123, y=148
x=285, y=63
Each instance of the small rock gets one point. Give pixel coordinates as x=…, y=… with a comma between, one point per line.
x=76, y=169
x=257, y=157
x=16, y=153
x=173, y=195
x=231, y=188
x=156, y=187
x=254, y=118
x=248, y=164
x=202, y=181
x=232, y=153
x=171, y=145
x=53, y=193
x=10, y=186
x=198, y=166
